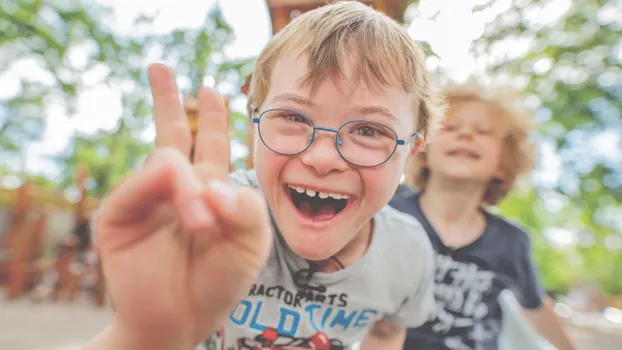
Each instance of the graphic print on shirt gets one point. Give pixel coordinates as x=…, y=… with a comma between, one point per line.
x=216, y=341
x=463, y=294
x=270, y=339
x=276, y=318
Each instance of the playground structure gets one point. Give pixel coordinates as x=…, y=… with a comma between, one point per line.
x=35, y=220
x=283, y=11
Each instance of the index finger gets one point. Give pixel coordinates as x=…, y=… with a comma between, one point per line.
x=212, y=142
x=172, y=129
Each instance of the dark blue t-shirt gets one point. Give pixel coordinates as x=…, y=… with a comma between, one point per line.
x=468, y=281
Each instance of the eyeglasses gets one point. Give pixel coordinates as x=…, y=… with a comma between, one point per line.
x=362, y=143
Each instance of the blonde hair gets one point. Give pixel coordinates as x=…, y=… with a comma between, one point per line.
x=334, y=33
x=518, y=152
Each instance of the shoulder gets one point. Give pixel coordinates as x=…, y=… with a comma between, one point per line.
x=404, y=235
x=403, y=189
x=244, y=178
x=404, y=201
x=408, y=259
x=511, y=230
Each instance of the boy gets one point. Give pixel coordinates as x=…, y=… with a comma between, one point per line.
x=337, y=114
x=472, y=162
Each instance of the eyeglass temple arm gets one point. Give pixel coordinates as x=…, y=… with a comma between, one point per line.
x=408, y=140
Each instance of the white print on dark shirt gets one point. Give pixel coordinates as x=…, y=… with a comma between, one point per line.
x=460, y=288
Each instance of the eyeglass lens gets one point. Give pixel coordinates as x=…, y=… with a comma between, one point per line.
x=363, y=143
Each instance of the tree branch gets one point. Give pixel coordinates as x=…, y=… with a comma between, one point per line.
x=32, y=29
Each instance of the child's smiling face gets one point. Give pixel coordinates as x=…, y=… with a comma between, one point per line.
x=469, y=146
x=345, y=196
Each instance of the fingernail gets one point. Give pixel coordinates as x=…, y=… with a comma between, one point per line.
x=199, y=214
x=226, y=193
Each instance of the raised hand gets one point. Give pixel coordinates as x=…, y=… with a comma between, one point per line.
x=178, y=244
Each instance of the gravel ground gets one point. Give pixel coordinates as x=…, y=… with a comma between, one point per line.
x=57, y=326
x=60, y=326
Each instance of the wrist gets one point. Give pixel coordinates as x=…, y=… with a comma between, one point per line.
x=115, y=337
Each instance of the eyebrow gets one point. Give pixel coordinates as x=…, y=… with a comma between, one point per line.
x=361, y=110
x=288, y=97
x=376, y=110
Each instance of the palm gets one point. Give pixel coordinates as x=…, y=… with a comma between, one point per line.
x=178, y=249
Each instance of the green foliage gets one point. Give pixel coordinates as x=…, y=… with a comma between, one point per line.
x=47, y=34
x=42, y=36
x=566, y=57
x=108, y=156
x=573, y=69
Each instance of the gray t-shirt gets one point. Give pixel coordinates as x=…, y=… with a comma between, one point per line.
x=285, y=309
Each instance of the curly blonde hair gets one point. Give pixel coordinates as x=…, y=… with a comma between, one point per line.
x=331, y=34
x=518, y=154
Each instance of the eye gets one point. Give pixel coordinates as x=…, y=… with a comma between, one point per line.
x=367, y=131
x=295, y=118
x=448, y=127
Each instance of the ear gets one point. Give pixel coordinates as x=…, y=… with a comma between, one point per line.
x=499, y=175
x=417, y=143
x=501, y=172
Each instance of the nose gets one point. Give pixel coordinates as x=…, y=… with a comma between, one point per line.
x=465, y=132
x=323, y=156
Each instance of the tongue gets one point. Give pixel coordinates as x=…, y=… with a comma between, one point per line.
x=317, y=212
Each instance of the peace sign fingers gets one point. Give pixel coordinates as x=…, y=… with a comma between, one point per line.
x=172, y=129
x=212, y=142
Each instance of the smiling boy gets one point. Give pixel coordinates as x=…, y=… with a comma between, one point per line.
x=472, y=163
x=337, y=114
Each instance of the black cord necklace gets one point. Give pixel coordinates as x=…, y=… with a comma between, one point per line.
x=334, y=258
x=303, y=277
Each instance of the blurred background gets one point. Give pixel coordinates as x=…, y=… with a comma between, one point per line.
x=75, y=117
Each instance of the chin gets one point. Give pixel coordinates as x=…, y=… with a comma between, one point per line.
x=463, y=177
x=317, y=250
x=314, y=220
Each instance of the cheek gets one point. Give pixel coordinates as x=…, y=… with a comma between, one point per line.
x=434, y=150
x=268, y=166
x=380, y=183
x=494, y=151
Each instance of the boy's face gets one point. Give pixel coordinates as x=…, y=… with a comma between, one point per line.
x=319, y=227
x=468, y=147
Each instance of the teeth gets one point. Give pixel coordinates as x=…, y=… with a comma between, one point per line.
x=322, y=195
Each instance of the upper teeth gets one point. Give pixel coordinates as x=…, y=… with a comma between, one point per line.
x=312, y=193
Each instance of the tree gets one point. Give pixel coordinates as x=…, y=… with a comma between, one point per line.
x=566, y=57
x=38, y=42
x=571, y=71
x=198, y=58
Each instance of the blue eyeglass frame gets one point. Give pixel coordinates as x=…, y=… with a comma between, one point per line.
x=338, y=142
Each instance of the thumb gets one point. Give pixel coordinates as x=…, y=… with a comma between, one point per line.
x=242, y=213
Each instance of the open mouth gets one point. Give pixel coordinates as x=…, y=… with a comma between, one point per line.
x=317, y=206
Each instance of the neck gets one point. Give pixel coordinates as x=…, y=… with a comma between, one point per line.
x=453, y=209
x=353, y=251
x=452, y=201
